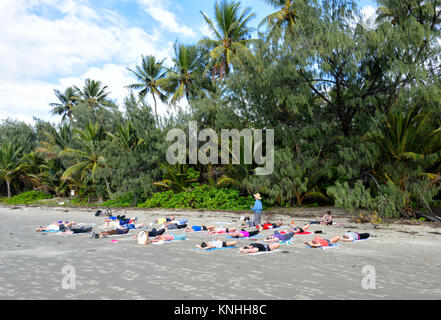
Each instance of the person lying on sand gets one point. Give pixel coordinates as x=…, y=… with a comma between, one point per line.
x=153, y=233
x=352, y=236
x=277, y=236
x=266, y=226
x=57, y=226
x=169, y=237
x=244, y=234
x=319, y=242
x=173, y=226
x=216, y=244
x=221, y=230
x=119, y=230
x=164, y=220
x=256, y=247
x=199, y=228
x=296, y=229
x=104, y=234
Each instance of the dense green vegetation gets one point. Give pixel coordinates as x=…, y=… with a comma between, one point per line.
x=355, y=106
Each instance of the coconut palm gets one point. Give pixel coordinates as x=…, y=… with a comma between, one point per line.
x=56, y=141
x=67, y=100
x=149, y=75
x=94, y=94
x=35, y=169
x=187, y=67
x=406, y=138
x=11, y=164
x=126, y=137
x=231, y=35
x=285, y=17
x=87, y=160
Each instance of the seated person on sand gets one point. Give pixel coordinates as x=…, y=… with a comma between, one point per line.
x=277, y=236
x=353, y=236
x=57, y=226
x=256, y=247
x=216, y=244
x=169, y=237
x=244, y=234
x=326, y=219
x=319, y=242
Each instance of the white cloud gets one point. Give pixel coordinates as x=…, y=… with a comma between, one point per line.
x=369, y=14
x=66, y=42
x=206, y=31
x=167, y=19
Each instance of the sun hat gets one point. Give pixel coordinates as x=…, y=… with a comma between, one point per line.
x=257, y=196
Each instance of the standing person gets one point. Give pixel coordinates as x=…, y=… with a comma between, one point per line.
x=257, y=208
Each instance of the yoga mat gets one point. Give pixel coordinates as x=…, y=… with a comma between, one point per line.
x=360, y=240
x=302, y=233
x=286, y=242
x=165, y=241
x=263, y=252
x=327, y=247
x=256, y=236
x=212, y=249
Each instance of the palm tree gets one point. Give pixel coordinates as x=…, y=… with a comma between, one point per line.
x=187, y=64
x=286, y=16
x=56, y=141
x=67, y=101
x=406, y=139
x=36, y=170
x=126, y=137
x=231, y=35
x=11, y=164
x=87, y=159
x=94, y=94
x=150, y=74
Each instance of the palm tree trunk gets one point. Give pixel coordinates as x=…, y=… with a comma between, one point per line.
x=8, y=183
x=109, y=191
x=156, y=111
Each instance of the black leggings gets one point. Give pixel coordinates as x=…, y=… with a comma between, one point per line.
x=260, y=246
x=364, y=235
x=81, y=229
x=155, y=232
x=253, y=233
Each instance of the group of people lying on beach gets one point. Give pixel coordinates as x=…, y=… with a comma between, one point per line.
x=121, y=225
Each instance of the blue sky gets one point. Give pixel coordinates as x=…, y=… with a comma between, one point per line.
x=53, y=44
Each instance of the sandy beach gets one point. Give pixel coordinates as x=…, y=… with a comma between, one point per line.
x=403, y=259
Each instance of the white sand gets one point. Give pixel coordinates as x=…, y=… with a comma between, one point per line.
x=406, y=264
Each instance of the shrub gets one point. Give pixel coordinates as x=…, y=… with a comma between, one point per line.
x=200, y=197
x=124, y=200
x=350, y=198
x=28, y=197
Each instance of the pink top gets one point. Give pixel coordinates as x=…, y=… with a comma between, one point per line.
x=245, y=233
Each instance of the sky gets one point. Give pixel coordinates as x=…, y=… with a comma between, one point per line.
x=54, y=44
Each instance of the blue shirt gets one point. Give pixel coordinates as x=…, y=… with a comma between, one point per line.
x=257, y=206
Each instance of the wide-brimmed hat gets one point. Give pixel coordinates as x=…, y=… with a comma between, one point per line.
x=257, y=196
